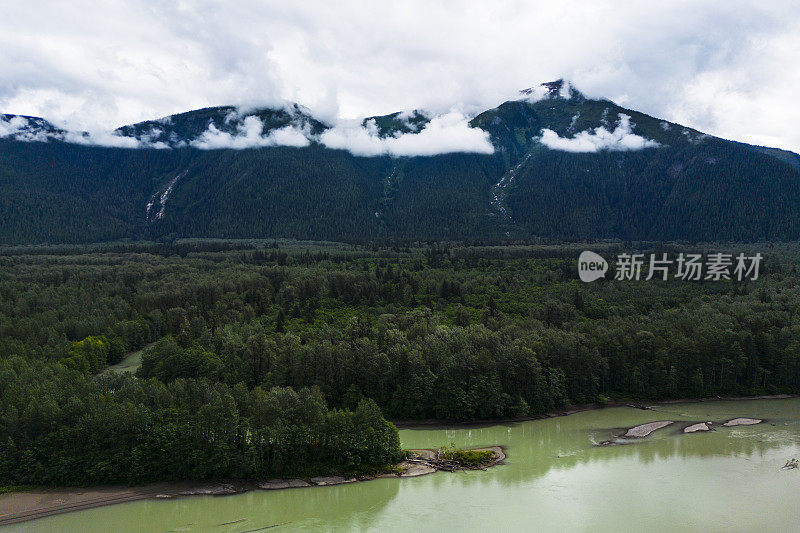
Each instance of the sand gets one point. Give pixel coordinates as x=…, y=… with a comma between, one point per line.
x=702, y=426
x=415, y=469
x=28, y=505
x=644, y=430
x=742, y=422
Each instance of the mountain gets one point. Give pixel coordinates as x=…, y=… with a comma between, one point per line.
x=552, y=164
x=180, y=130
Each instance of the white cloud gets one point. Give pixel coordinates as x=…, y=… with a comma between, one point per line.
x=250, y=134
x=598, y=139
x=727, y=67
x=446, y=133
x=110, y=139
x=289, y=136
x=28, y=130
x=16, y=127
x=540, y=91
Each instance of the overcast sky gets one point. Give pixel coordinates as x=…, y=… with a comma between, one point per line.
x=727, y=68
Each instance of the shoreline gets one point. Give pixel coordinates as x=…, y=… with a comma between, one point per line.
x=433, y=423
x=37, y=503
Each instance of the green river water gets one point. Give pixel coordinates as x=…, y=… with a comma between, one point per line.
x=554, y=480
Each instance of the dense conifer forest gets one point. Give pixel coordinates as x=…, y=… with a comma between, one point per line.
x=264, y=358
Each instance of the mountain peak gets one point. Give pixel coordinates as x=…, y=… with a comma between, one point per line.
x=558, y=89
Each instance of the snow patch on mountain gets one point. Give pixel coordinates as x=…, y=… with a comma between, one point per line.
x=621, y=138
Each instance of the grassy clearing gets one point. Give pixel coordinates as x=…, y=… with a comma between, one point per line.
x=130, y=363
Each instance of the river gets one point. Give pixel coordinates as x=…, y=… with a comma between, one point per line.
x=554, y=479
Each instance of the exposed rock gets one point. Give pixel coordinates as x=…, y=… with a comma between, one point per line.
x=702, y=426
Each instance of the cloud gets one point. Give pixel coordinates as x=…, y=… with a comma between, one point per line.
x=599, y=139
x=446, y=133
x=25, y=129
x=250, y=134
x=726, y=67
x=110, y=139
x=540, y=91
x=442, y=134
x=19, y=129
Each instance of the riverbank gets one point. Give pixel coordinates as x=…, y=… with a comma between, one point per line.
x=16, y=507
x=577, y=408
x=38, y=503
x=550, y=463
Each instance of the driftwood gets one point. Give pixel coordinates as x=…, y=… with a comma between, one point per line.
x=266, y=527
x=791, y=464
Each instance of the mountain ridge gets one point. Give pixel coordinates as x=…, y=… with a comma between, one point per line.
x=562, y=166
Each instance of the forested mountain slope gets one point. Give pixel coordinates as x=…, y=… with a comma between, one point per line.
x=564, y=166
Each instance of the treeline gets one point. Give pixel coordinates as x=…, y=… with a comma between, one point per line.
x=63, y=427
x=418, y=366
x=440, y=332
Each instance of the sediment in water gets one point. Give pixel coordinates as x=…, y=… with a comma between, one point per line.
x=742, y=422
x=643, y=430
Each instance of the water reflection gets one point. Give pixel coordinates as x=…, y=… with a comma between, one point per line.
x=555, y=478
x=536, y=447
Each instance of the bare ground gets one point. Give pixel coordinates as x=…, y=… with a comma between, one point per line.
x=701, y=426
x=29, y=505
x=742, y=422
x=644, y=430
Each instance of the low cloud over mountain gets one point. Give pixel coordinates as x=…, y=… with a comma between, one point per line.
x=620, y=139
